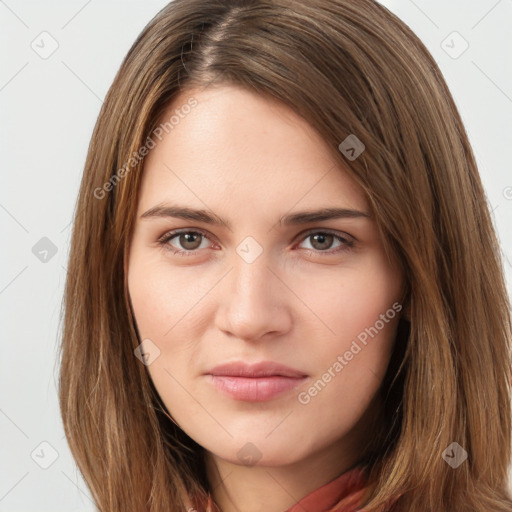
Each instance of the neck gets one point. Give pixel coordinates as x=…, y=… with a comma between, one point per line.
x=260, y=488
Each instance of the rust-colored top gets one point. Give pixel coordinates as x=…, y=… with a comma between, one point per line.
x=347, y=490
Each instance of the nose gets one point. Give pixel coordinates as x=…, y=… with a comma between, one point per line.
x=254, y=302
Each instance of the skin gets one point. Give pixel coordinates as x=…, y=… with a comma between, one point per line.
x=251, y=160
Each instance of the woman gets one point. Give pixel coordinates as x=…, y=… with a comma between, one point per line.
x=285, y=288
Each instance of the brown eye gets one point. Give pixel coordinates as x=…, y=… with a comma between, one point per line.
x=325, y=242
x=189, y=241
x=321, y=241
x=184, y=242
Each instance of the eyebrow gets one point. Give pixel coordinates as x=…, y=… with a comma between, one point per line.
x=209, y=217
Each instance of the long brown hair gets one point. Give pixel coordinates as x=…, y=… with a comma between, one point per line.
x=349, y=67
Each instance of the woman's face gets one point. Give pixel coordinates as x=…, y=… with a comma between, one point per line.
x=256, y=280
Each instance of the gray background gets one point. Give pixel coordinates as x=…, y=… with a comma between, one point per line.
x=51, y=105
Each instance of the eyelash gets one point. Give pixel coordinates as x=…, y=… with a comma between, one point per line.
x=164, y=240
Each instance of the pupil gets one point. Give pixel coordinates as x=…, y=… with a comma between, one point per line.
x=323, y=239
x=189, y=239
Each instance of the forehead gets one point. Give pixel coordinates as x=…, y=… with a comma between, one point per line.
x=237, y=146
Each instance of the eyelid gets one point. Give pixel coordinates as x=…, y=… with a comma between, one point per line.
x=348, y=241
x=174, y=232
x=304, y=234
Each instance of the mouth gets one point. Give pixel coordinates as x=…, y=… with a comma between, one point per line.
x=255, y=382
x=256, y=389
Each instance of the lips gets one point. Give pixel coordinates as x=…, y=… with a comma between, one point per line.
x=255, y=382
x=261, y=369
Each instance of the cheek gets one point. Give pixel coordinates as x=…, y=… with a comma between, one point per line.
x=347, y=302
x=168, y=306
x=161, y=296
x=163, y=304
x=360, y=307
x=150, y=302
x=348, y=368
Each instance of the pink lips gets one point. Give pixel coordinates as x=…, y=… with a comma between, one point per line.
x=255, y=382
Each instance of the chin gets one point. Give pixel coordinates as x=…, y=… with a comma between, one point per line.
x=259, y=451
